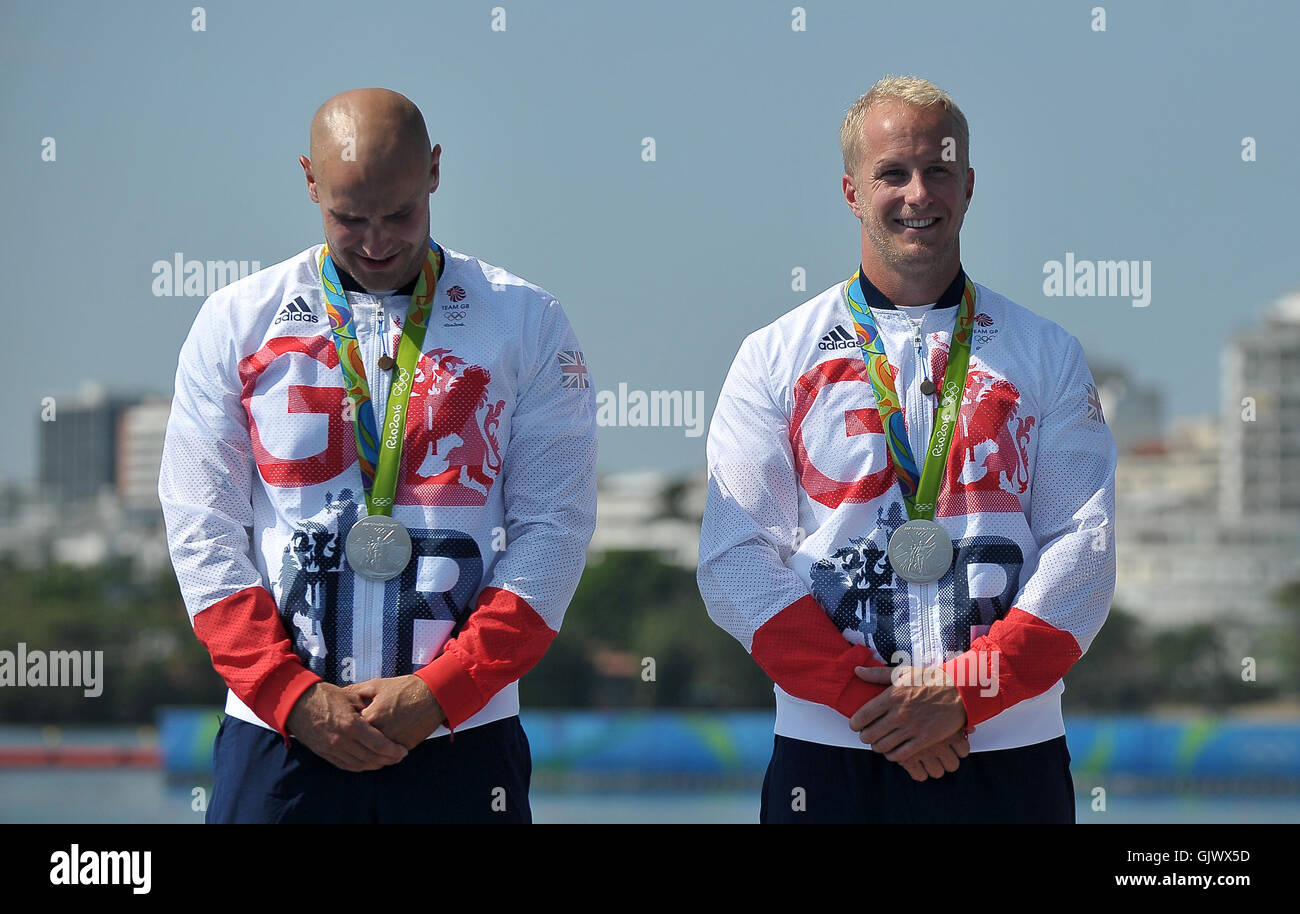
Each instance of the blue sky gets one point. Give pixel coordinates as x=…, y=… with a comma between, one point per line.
x=1122, y=144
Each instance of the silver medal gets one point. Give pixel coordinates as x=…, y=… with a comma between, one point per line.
x=378, y=547
x=920, y=551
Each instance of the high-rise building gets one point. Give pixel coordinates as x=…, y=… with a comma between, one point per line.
x=141, y=428
x=78, y=443
x=1260, y=444
x=1178, y=561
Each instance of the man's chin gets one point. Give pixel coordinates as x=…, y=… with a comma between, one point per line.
x=921, y=254
x=387, y=277
x=916, y=258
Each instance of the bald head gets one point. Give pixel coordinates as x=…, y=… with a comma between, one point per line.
x=369, y=129
x=371, y=171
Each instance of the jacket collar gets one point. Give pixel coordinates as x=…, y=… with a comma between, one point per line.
x=351, y=285
x=876, y=299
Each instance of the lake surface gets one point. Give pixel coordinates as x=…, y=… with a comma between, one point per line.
x=29, y=795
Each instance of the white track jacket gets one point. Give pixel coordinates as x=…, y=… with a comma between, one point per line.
x=260, y=486
x=802, y=500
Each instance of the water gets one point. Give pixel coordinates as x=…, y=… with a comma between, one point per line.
x=144, y=796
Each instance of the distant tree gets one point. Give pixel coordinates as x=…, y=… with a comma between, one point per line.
x=1285, y=645
x=1117, y=673
x=670, y=500
x=1131, y=668
x=1195, y=668
x=636, y=604
x=150, y=654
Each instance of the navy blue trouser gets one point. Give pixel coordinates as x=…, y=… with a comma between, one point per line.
x=812, y=783
x=479, y=776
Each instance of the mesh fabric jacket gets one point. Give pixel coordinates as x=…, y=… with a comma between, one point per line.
x=802, y=500
x=260, y=486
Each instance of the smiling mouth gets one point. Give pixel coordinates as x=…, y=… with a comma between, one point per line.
x=377, y=264
x=918, y=223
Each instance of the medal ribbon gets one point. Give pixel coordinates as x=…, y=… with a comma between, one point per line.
x=379, y=458
x=920, y=495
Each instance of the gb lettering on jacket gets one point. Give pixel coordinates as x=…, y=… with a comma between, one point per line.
x=455, y=425
x=991, y=459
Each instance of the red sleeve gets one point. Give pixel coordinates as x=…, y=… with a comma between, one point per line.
x=503, y=639
x=1023, y=655
x=251, y=651
x=804, y=653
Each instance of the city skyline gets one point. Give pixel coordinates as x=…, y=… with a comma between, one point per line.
x=670, y=174
x=1208, y=513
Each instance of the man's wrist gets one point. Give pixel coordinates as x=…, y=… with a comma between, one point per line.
x=439, y=715
x=282, y=692
x=966, y=729
x=457, y=696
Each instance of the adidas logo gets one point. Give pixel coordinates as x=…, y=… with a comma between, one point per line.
x=839, y=338
x=296, y=310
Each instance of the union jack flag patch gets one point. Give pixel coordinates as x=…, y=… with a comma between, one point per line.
x=573, y=369
x=1094, y=403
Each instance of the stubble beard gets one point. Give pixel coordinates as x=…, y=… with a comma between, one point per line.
x=907, y=258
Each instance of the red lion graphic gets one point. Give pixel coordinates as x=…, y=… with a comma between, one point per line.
x=989, y=408
x=449, y=406
x=458, y=415
x=994, y=406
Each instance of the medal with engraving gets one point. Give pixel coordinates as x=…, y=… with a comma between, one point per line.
x=378, y=547
x=920, y=550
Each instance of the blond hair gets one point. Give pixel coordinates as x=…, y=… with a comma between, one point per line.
x=911, y=90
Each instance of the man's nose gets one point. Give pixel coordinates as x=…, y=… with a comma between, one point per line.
x=917, y=192
x=374, y=243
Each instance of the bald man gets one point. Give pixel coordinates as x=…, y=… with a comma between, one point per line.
x=378, y=484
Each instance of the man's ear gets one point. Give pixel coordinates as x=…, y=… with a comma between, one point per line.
x=435, y=156
x=311, y=179
x=850, y=191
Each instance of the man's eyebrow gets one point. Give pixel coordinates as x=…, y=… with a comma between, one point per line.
x=339, y=214
x=896, y=163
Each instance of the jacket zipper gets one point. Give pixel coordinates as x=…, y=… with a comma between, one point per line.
x=374, y=589
x=923, y=405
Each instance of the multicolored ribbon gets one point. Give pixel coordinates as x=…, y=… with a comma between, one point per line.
x=379, y=459
x=920, y=489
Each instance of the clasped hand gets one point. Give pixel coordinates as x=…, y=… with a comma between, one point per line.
x=921, y=727
x=366, y=725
